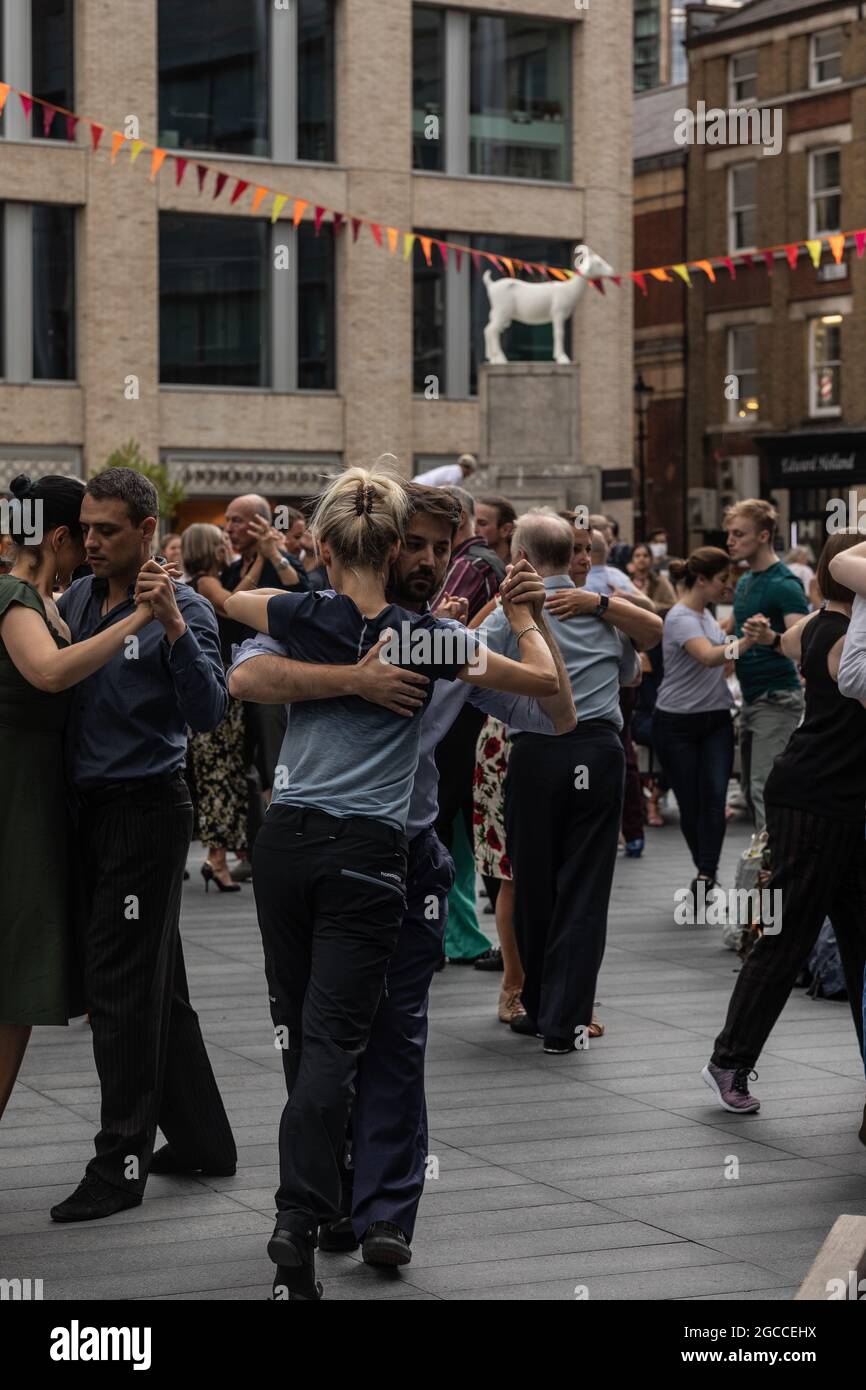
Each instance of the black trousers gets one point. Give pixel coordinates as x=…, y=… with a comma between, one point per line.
x=330, y=896
x=147, y=1044
x=819, y=867
x=562, y=840
x=698, y=753
x=455, y=759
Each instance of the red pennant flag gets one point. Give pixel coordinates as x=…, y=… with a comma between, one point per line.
x=377, y=233
x=339, y=219
x=640, y=280
x=617, y=280
x=179, y=169
x=458, y=257
x=320, y=212
x=201, y=172
x=27, y=103
x=860, y=242
x=443, y=251
x=748, y=259
x=476, y=259
x=768, y=259
x=71, y=123
x=221, y=181
x=241, y=187
x=96, y=134
x=792, y=253
x=598, y=285
x=356, y=227
x=732, y=269
x=48, y=114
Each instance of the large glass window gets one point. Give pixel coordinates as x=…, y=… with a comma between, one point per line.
x=743, y=364
x=825, y=365
x=428, y=76
x=428, y=322
x=316, y=80
x=825, y=192
x=647, y=55
x=213, y=75
x=742, y=207
x=51, y=30
x=214, y=320
x=53, y=292
x=316, y=317
x=519, y=110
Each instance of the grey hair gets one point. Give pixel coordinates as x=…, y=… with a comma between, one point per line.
x=546, y=539
x=466, y=500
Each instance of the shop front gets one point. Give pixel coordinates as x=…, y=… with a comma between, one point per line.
x=210, y=480
x=814, y=475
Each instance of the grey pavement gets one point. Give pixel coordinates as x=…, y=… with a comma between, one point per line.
x=608, y=1174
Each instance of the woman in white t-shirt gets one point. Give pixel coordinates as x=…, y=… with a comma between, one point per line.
x=692, y=727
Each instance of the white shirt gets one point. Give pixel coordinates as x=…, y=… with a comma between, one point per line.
x=449, y=475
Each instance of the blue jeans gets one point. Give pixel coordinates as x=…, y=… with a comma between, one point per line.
x=697, y=751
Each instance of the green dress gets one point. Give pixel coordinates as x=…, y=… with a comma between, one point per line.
x=36, y=954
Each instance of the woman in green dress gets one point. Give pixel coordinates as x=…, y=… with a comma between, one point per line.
x=38, y=668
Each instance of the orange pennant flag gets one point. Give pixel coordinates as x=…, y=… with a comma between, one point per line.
x=280, y=200
x=682, y=272
x=409, y=239
x=707, y=268
x=426, y=247
x=660, y=274
x=156, y=162
x=393, y=238
x=301, y=205
x=4, y=92
x=258, y=197
x=814, y=249
x=557, y=274
x=509, y=265
x=837, y=246
x=116, y=141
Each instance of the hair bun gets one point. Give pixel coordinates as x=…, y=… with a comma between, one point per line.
x=21, y=486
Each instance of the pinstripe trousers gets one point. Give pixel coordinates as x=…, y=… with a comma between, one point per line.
x=147, y=1044
x=819, y=866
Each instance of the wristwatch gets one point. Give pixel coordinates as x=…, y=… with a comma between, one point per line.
x=283, y=563
x=601, y=608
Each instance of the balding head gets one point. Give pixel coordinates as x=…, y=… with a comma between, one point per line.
x=599, y=548
x=545, y=539
x=239, y=513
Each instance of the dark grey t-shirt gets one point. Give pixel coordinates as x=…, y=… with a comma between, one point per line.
x=688, y=687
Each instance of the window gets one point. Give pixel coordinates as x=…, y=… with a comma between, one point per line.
x=245, y=304
x=743, y=78
x=742, y=207
x=428, y=64
x=825, y=66
x=825, y=192
x=228, y=80
x=646, y=56
x=37, y=291
x=428, y=322
x=36, y=49
x=743, y=364
x=825, y=365
x=517, y=122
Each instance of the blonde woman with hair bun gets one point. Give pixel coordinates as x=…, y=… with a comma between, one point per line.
x=330, y=861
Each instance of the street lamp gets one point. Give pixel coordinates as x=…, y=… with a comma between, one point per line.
x=642, y=393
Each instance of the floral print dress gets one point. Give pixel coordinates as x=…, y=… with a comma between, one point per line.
x=488, y=796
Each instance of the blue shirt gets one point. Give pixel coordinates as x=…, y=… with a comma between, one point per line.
x=603, y=579
x=129, y=719
x=521, y=712
x=597, y=657
x=345, y=755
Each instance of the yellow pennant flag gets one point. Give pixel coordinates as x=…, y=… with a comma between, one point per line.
x=4, y=92
x=137, y=147
x=301, y=205
x=393, y=238
x=156, y=162
x=837, y=246
x=116, y=141
x=408, y=243
x=258, y=197
x=280, y=200
x=814, y=249
x=683, y=273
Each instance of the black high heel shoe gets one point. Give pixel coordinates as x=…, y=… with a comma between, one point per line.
x=209, y=876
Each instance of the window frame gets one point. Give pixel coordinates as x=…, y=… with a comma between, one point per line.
x=831, y=191
x=735, y=102
x=814, y=82
x=16, y=294
x=734, y=249
x=817, y=411
x=734, y=417
x=16, y=44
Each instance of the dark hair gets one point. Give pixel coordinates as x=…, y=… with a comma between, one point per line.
x=439, y=502
x=59, y=502
x=707, y=561
x=505, y=510
x=128, y=486
x=830, y=588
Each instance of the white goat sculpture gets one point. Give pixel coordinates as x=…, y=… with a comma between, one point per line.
x=552, y=302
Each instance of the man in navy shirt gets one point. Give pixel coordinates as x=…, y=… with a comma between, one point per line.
x=126, y=751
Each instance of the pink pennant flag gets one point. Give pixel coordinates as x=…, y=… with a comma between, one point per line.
x=241, y=186
x=48, y=114
x=179, y=169
x=859, y=242
x=320, y=212
x=748, y=259
x=377, y=233
x=339, y=219
x=792, y=253
x=27, y=104
x=640, y=280
x=221, y=181
x=732, y=269
x=356, y=227
x=201, y=173
x=476, y=259
x=71, y=123
x=768, y=261
x=96, y=134
x=458, y=257
x=443, y=251
x=617, y=280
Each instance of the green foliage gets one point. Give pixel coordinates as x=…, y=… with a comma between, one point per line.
x=129, y=455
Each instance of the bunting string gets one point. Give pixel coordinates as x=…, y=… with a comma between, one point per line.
x=392, y=239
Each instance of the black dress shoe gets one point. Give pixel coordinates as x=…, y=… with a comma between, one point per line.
x=338, y=1236
x=524, y=1025
x=166, y=1162
x=862, y=1135
x=92, y=1199
x=491, y=960
x=283, y=1292
x=385, y=1245
x=558, y=1047
x=293, y=1251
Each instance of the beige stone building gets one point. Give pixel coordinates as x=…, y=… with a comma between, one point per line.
x=145, y=309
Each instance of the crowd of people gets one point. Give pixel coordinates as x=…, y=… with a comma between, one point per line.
x=405, y=688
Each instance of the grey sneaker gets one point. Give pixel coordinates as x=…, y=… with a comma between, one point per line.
x=732, y=1088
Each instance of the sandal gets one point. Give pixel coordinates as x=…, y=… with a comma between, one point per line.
x=654, y=816
x=510, y=1006
x=596, y=1028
